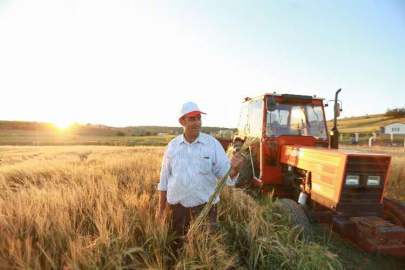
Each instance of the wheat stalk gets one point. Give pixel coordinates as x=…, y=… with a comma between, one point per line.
x=218, y=190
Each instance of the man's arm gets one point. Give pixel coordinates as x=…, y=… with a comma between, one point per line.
x=162, y=187
x=222, y=164
x=162, y=205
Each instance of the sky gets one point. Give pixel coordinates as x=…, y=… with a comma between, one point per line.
x=130, y=63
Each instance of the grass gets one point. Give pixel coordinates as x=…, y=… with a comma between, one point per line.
x=87, y=207
x=350, y=256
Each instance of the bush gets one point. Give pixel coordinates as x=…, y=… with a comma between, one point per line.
x=396, y=113
x=120, y=133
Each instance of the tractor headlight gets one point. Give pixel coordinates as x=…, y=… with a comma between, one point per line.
x=373, y=180
x=352, y=180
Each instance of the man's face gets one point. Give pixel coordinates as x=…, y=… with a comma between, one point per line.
x=192, y=125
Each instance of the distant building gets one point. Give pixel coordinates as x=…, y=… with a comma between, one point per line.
x=394, y=128
x=226, y=134
x=161, y=134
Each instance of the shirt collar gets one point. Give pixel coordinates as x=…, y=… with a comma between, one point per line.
x=201, y=138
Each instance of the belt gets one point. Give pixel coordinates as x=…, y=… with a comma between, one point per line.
x=193, y=209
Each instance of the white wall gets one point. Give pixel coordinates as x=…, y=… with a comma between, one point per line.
x=395, y=128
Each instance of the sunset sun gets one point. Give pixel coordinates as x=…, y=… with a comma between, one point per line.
x=62, y=125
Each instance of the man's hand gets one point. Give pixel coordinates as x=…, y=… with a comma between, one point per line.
x=236, y=163
x=161, y=212
x=160, y=215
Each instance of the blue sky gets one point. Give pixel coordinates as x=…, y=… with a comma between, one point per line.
x=125, y=63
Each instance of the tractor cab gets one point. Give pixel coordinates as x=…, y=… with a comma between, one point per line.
x=291, y=115
x=279, y=120
x=296, y=120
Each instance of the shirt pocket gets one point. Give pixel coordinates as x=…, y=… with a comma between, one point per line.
x=203, y=165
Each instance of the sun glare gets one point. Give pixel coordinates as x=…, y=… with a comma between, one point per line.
x=297, y=114
x=62, y=125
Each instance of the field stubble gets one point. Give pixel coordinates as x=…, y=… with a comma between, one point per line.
x=93, y=207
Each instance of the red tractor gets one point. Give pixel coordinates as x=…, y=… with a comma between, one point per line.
x=298, y=161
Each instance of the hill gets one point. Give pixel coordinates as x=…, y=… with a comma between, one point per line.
x=38, y=133
x=93, y=129
x=364, y=124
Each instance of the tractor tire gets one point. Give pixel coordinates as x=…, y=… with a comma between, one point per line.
x=246, y=173
x=394, y=211
x=297, y=217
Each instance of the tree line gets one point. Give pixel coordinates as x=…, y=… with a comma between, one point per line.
x=396, y=113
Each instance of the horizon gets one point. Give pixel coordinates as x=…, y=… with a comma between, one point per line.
x=134, y=63
x=179, y=126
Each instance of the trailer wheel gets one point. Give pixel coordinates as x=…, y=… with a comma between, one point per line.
x=297, y=216
x=246, y=173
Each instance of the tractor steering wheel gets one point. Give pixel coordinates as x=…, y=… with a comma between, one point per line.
x=275, y=127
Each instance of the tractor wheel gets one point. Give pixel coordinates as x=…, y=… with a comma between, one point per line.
x=394, y=211
x=297, y=216
x=246, y=173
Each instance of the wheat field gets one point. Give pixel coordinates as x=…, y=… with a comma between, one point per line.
x=93, y=207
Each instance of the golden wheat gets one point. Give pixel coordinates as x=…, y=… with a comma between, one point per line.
x=87, y=207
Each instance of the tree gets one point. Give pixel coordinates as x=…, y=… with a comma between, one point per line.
x=120, y=133
x=396, y=113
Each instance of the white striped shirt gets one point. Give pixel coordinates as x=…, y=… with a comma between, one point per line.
x=190, y=171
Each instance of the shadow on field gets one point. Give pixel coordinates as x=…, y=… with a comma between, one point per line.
x=351, y=256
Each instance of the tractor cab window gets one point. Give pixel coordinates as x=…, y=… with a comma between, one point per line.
x=256, y=118
x=298, y=120
x=316, y=123
x=242, y=127
x=277, y=120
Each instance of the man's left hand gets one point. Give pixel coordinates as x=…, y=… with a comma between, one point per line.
x=237, y=162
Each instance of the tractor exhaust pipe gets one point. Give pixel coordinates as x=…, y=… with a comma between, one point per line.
x=334, y=133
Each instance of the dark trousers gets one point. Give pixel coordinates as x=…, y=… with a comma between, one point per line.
x=181, y=217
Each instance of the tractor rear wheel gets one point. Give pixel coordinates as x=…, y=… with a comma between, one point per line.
x=246, y=173
x=297, y=216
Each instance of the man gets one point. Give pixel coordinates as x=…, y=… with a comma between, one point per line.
x=191, y=165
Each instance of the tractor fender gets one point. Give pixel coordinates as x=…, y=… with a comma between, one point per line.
x=396, y=208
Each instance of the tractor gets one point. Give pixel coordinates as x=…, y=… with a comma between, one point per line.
x=297, y=160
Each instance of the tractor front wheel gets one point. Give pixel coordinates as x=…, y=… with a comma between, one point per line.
x=297, y=216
